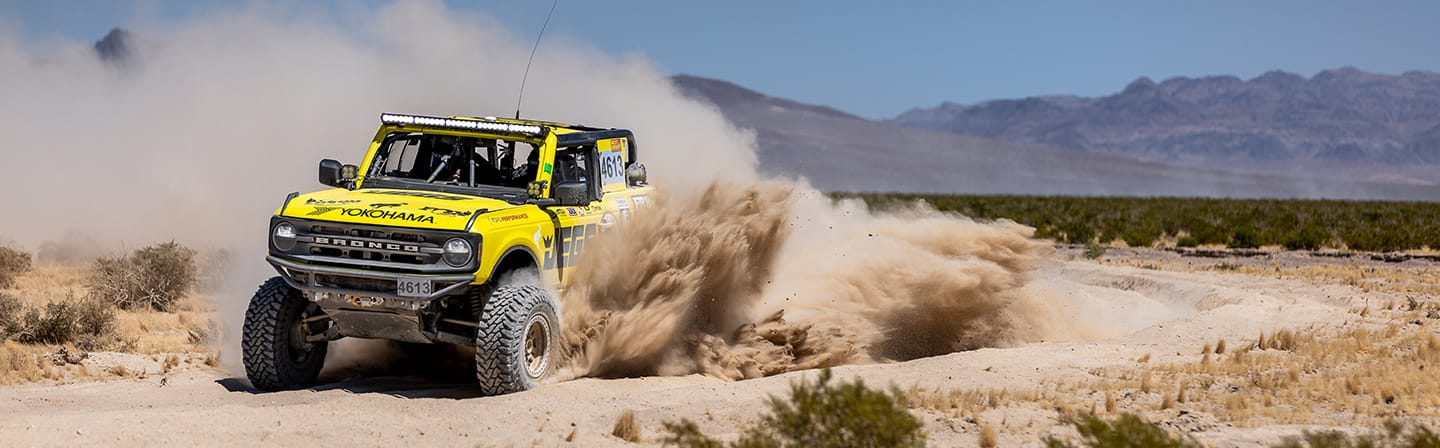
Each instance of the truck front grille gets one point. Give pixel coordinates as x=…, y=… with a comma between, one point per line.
x=374, y=247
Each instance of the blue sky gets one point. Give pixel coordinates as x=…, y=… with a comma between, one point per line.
x=878, y=59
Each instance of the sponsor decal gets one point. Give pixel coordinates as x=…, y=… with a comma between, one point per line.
x=443, y=211
x=374, y=214
x=365, y=244
x=386, y=204
x=313, y=201
x=500, y=219
x=641, y=201
x=321, y=210
x=571, y=242
x=571, y=211
x=419, y=194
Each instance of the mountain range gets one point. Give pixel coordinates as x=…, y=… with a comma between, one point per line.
x=1341, y=115
x=1342, y=133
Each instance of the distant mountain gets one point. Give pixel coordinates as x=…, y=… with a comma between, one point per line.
x=114, y=48
x=840, y=151
x=1336, y=118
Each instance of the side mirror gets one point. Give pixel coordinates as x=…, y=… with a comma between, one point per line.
x=333, y=174
x=572, y=193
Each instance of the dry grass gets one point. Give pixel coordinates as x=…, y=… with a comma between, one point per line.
x=987, y=437
x=626, y=428
x=188, y=330
x=1358, y=374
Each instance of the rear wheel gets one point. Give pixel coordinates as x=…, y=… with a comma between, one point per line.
x=515, y=345
x=277, y=355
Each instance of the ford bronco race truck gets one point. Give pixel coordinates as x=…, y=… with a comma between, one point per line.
x=452, y=230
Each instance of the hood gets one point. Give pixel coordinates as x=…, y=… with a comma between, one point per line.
x=386, y=207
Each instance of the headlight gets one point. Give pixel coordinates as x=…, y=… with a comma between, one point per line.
x=457, y=252
x=283, y=237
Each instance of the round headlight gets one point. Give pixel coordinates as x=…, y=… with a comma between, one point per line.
x=457, y=252
x=283, y=237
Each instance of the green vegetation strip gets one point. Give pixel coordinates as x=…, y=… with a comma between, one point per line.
x=1370, y=226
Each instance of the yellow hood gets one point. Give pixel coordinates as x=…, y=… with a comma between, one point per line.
x=386, y=207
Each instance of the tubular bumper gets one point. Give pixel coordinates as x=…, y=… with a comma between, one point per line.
x=287, y=270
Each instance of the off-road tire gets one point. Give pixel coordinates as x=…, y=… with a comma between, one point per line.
x=271, y=325
x=506, y=321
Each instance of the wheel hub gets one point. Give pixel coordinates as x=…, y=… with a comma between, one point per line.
x=537, y=346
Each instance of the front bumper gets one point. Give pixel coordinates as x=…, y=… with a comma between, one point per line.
x=373, y=312
x=312, y=279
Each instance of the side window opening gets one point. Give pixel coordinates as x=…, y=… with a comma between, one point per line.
x=574, y=175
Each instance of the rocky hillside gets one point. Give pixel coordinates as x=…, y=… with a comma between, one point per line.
x=839, y=151
x=1343, y=115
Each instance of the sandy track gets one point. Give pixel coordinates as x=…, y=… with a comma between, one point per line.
x=1167, y=315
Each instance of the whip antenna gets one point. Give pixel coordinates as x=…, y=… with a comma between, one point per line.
x=532, y=58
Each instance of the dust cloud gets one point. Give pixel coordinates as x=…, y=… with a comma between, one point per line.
x=210, y=121
x=749, y=280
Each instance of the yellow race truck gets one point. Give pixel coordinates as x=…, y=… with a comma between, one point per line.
x=452, y=230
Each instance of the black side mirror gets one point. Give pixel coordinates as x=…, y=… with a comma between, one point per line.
x=333, y=174
x=572, y=193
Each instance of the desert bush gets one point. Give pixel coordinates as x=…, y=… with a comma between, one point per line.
x=626, y=428
x=1126, y=431
x=1077, y=232
x=153, y=277
x=87, y=322
x=13, y=262
x=1187, y=241
x=819, y=414
x=11, y=311
x=1363, y=225
x=1093, y=250
x=1393, y=435
x=1245, y=238
x=1382, y=239
x=1140, y=236
x=1311, y=236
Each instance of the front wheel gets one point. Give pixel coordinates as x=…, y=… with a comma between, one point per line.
x=515, y=345
x=277, y=355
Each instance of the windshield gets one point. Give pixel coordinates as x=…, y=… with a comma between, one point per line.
x=445, y=162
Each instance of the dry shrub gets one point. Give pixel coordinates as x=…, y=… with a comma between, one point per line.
x=11, y=310
x=626, y=428
x=1126, y=431
x=1280, y=340
x=820, y=414
x=1392, y=434
x=86, y=322
x=987, y=437
x=13, y=262
x=153, y=277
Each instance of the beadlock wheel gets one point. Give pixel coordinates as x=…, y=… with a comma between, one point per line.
x=515, y=344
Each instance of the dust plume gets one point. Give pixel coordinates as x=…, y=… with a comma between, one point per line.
x=748, y=280
x=209, y=121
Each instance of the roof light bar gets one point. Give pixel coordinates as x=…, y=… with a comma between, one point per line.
x=464, y=125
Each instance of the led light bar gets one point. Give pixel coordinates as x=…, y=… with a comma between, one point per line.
x=465, y=125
